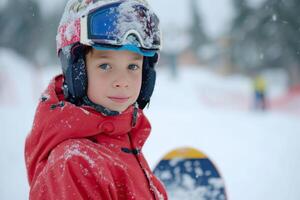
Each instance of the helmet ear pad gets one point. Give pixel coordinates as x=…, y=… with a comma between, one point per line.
x=74, y=70
x=148, y=81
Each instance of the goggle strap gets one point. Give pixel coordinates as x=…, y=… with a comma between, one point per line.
x=63, y=39
x=84, y=31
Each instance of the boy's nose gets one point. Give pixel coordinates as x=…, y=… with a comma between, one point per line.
x=121, y=83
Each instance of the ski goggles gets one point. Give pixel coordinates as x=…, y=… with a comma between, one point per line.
x=116, y=23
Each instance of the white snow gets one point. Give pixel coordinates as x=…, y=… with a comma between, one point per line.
x=74, y=150
x=257, y=152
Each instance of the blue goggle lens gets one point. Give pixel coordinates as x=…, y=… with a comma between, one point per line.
x=111, y=23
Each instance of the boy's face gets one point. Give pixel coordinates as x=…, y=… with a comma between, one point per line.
x=114, y=78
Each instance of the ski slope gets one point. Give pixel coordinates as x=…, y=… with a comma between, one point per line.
x=258, y=153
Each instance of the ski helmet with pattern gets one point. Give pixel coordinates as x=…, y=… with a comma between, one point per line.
x=109, y=24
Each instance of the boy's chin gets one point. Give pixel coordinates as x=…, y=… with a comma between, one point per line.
x=120, y=109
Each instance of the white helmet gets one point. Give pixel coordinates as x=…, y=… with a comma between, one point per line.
x=107, y=24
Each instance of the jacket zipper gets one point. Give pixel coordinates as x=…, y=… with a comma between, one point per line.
x=143, y=169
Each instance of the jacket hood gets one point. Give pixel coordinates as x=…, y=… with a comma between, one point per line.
x=57, y=120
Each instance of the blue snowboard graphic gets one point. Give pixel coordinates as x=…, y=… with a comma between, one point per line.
x=188, y=174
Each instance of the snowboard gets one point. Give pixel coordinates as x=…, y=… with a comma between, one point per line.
x=188, y=174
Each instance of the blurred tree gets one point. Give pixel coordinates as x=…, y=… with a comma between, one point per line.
x=287, y=23
x=47, y=44
x=20, y=30
x=267, y=37
x=243, y=49
x=28, y=31
x=197, y=33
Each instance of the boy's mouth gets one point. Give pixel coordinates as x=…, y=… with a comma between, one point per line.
x=119, y=99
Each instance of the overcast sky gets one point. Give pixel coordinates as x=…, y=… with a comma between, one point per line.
x=216, y=14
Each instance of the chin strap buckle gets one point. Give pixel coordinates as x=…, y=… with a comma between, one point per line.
x=134, y=114
x=65, y=91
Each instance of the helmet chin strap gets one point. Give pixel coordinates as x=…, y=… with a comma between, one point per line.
x=105, y=111
x=108, y=112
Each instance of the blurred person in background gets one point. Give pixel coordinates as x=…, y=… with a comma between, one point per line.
x=260, y=86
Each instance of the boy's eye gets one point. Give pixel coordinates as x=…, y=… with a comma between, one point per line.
x=133, y=67
x=105, y=67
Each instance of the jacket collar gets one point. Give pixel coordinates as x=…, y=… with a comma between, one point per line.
x=57, y=120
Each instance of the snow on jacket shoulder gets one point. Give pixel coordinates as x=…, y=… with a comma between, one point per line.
x=76, y=153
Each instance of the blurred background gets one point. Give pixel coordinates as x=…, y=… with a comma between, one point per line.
x=228, y=84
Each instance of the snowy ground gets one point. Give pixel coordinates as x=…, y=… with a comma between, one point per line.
x=257, y=153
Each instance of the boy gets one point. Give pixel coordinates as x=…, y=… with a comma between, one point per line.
x=89, y=127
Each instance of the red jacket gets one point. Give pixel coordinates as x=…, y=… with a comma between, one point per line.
x=76, y=153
